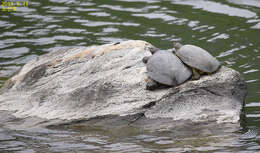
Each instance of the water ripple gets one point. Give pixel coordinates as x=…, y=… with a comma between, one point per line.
x=251, y=71
x=219, y=36
x=110, y=30
x=99, y=14
x=120, y=8
x=254, y=3
x=251, y=81
x=253, y=115
x=6, y=24
x=103, y=23
x=145, y=1
x=23, y=10
x=66, y=146
x=203, y=28
x=57, y=9
x=193, y=24
x=62, y=1
x=39, y=32
x=8, y=71
x=123, y=147
x=12, y=34
x=162, y=16
x=253, y=104
x=229, y=52
x=70, y=30
x=83, y=9
x=51, y=40
x=152, y=33
x=217, y=8
x=14, y=52
x=257, y=26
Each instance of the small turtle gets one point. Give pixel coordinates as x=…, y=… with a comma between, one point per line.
x=165, y=69
x=197, y=58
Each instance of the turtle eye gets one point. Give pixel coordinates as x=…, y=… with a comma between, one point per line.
x=145, y=59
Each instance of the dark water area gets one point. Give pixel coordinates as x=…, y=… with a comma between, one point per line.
x=228, y=29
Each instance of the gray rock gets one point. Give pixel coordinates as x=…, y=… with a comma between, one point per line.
x=109, y=80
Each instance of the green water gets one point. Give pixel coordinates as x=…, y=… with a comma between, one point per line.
x=228, y=29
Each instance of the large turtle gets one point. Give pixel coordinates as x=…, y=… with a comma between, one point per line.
x=165, y=69
x=197, y=58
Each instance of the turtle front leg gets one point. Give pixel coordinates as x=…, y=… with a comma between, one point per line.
x=152, y=85
x=195, y=74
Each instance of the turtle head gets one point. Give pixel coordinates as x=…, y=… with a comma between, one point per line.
x=177, y=45
x=153, y=50
x=145, y=59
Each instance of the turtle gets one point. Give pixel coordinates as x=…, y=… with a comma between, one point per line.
x=199, y=60
x=165, y=69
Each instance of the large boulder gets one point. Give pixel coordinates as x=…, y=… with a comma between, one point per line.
x=109, y=80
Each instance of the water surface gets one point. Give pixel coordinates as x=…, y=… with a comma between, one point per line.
x=228, y=29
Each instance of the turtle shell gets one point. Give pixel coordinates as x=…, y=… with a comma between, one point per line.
x=198, y=58
x=166, y=68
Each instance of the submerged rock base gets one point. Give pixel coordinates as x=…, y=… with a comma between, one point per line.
x=109, y=80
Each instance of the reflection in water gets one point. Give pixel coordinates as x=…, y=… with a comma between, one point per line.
x=228, y=29
x=149, y=138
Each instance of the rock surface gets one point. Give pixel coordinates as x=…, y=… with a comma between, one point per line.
x=109, y=80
